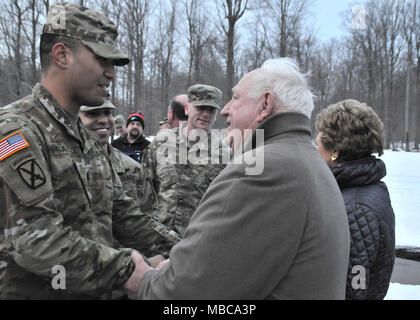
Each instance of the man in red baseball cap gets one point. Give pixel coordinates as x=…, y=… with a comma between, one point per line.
x=134, y=142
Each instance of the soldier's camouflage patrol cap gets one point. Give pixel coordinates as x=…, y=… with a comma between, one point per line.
x=204, y=95
x=106, y=105
x=93, y=29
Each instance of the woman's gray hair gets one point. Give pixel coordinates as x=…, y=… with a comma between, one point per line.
x=282, y=77
x=352, y=129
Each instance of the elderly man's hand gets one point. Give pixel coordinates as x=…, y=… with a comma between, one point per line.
x=162, y=264
x=133, y=284
x=155, y=260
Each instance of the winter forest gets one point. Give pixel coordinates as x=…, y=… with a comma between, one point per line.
x=176, y=43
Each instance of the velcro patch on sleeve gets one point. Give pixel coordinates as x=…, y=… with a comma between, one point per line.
x=32, y=174
x=12, y=144
x=24, y=170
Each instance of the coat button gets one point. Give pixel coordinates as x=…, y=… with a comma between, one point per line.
x=180, y=201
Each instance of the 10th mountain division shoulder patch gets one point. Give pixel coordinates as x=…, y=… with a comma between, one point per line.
x=32, y=174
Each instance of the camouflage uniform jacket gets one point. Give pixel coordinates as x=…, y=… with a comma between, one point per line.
x=135, y=180
x=181, y=184
x=61, y=203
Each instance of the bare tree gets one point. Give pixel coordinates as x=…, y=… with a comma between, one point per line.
x=47, y=6
x=381, y=44
x=135, y=18
x=378, y=65
x=12, y=27
x=197, y=36
x=288, y=16
x=369, y=41
x=232, y=11
x=390, y=17
x=306, y=45
x=163, y=57
x=416, y=116
x=410, y=27
x=32, y=36
x=323, y=76
x=256, y=51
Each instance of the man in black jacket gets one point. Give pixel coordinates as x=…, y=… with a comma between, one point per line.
x=134, y=143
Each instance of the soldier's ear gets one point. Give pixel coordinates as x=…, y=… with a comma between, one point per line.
x=61, y=55
x=186, y=109
x=170, y=115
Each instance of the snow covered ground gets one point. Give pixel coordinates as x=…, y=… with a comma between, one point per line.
x=403, y=181
x=397, y=291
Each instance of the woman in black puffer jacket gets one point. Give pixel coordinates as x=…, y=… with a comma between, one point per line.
x=348, y=133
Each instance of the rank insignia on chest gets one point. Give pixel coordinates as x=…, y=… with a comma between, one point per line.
x=12, y=144
x=32, y=174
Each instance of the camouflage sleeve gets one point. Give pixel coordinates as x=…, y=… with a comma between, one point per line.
x=3, y=257
x=216, y=169
x=40, y=242
x=148, y=196
x=3, y=262
x=149, y=164
x=138, y=230
x=35, y=235
x=136, y=182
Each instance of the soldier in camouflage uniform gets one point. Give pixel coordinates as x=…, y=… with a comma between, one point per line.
x=182, y=168
x=3, y=263
x=134, y=179
x=61, y=201
x=176, y=112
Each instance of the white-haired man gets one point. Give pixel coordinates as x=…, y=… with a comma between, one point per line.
x=282, y=234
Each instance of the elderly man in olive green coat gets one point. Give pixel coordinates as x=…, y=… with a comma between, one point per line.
x=279, y=234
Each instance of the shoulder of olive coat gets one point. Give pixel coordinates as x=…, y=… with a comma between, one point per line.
x=281, y=234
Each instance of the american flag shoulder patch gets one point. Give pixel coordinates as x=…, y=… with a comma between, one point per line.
x=12, y=144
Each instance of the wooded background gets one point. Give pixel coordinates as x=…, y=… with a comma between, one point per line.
x=174, y=44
